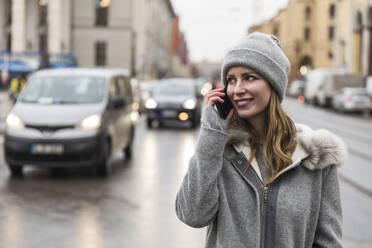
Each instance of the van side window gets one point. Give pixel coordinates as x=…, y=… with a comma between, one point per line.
x=129, y=89
x=125, y=90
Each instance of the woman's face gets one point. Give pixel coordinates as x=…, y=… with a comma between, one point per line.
x=248, y=91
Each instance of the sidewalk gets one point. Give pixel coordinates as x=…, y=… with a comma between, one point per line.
x=5, y=107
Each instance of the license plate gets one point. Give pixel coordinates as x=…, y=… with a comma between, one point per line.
x=47, y=149
x=169, y=113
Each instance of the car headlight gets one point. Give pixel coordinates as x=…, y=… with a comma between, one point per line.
x=134, y=116
x=189, y=104
x=14, y=122
x=151, y=104
x=91, y=122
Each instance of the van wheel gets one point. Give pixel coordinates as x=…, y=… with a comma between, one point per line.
x=103, y=168
x=16, y=170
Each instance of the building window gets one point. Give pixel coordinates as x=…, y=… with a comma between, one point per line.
x=308, y=13
x=332, y=11
x=330, y=55
x=100, y=50
x=102, y=8
x=307, y=34
x=331, y=33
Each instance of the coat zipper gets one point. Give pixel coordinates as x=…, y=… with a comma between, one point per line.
x=264, y=214
x=265, y=192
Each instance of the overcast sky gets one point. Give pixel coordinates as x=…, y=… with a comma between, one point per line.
x=212, y=26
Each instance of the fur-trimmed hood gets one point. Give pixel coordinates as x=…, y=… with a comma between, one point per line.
x=316, y=149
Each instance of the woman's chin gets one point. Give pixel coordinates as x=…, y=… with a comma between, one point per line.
x=250, y=113
x=245, y=114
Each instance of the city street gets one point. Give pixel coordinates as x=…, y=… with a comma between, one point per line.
x=134, y=207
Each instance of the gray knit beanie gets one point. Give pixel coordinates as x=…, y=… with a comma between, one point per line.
x=263, y=54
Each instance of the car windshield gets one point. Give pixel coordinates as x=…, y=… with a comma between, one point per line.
x=165, y=89
x=64, y=90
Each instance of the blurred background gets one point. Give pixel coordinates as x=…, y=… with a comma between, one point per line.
x=100, y=105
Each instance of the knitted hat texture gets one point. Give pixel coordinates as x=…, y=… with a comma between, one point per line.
x=262, y=53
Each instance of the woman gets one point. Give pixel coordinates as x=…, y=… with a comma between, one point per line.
x=256, y=179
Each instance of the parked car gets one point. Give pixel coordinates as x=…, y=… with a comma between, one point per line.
x=71, y=118
x=369, y=85
x=352, y=99
x=174, y=99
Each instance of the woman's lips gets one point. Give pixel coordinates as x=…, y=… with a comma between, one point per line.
x=243, y=103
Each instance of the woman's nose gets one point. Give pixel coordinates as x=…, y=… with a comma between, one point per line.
x=239, y=87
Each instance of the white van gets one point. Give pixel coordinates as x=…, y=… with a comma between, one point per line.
x=315, y=79
x=71, y=117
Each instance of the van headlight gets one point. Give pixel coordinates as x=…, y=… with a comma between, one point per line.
x=134, y=116
x=14, y=122
x=189, y=104
x=151, y=104
x=90, y=123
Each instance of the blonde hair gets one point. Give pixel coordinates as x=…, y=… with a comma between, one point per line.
x=279, y=143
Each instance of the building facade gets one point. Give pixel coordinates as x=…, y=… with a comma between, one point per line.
x=324, y=34
x=132, y=34
x=360, y=35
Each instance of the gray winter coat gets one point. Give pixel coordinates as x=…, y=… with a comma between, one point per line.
x=300, y=208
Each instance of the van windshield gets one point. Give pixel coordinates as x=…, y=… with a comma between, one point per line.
x=173, y=89
x=64, y=90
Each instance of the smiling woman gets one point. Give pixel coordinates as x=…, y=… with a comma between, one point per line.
x=256, y=179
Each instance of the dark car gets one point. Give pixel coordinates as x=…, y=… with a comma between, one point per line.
x=71, y=118
x=174, y=99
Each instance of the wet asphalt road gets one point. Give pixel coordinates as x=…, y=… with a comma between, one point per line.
x=134, y=207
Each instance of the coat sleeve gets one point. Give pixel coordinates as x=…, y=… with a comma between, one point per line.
x=329, y=227
x=197, y=199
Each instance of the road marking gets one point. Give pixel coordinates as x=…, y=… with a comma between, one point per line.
x=360, y=154
x=356, y=186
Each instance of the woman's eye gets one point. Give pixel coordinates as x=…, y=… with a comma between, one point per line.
x=250, y=78
x=231, y=80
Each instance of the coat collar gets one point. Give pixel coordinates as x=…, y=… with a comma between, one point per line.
x=316, y=149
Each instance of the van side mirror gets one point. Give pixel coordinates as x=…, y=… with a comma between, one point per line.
x=118, y=102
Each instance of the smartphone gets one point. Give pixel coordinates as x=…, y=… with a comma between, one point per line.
x=225, y=107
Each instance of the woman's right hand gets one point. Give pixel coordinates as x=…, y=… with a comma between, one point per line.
x=214, y=96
